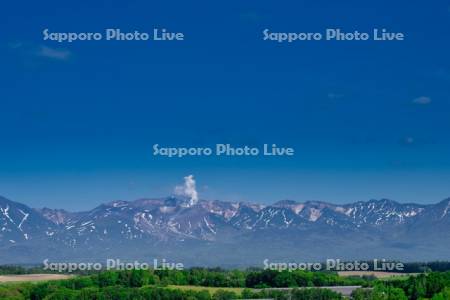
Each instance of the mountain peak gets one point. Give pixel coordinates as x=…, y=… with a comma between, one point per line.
x=445, y=201
x=285, y=203
x=139, y=225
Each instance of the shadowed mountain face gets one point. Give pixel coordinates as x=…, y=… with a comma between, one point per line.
x=225, y=233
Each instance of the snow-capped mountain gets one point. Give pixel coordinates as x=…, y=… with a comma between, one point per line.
x=228, y=233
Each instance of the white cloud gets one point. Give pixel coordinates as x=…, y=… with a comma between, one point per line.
x=59, y=54
x=422, y=100
x=188, y=189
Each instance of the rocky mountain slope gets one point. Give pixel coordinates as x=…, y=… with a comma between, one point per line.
x=225, y=233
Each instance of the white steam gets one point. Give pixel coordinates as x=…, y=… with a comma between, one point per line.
x=188, y=189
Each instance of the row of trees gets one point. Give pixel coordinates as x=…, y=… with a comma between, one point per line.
x=271, y=278
x=216, y=278
x=18, y=270
x=57, y=292
x=412, y=267
x=435, y=286
x=209, y=277
x=145, y=284
x=423, y=286
x=380, y=292
x=256, y=279
x=202, y=277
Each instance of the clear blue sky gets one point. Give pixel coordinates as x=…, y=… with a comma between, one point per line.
x=367, y=119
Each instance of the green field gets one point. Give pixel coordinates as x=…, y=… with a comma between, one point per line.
x=398, y=278
x=211, y=290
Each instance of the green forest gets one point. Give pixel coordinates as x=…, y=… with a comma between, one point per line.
x=228, y=284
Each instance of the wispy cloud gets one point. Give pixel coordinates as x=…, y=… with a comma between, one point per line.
x=422, y=100
x=52, y=53
x=31, y=50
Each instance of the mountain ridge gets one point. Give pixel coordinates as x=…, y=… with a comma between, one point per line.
x=174, y=226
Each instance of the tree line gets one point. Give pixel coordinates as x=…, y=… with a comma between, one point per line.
x=410, y=267
x=435, y=286
x=162, y=285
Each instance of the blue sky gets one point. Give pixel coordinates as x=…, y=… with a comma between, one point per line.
x=367, y=119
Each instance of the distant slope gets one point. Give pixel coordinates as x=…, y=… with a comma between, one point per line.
x=226, y=233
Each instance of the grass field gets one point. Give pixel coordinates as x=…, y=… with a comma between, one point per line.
x=32, y=277
x=379, y=275
x=211, y=290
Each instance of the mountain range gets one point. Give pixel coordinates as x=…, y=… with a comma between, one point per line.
x=219, y=233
